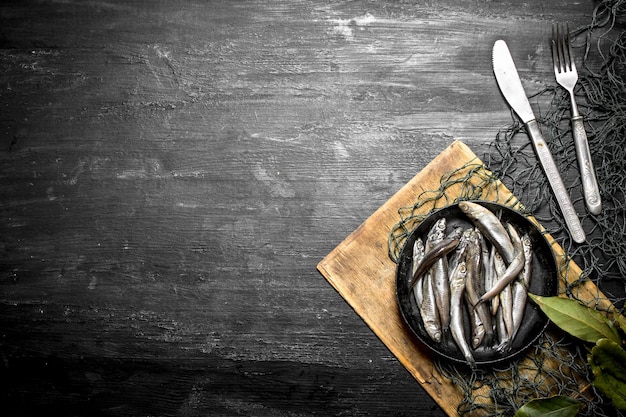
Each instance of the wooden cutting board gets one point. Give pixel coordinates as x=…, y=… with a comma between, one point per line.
x=361, y=271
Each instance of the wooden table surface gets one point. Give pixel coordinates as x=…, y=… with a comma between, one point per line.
x=171, y=173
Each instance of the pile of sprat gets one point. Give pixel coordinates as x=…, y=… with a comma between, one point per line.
x=484, y=269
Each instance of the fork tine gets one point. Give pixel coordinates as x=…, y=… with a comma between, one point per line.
x=555, y=52
x=563, y=53
x=564, y=48
x=561, y=48
x=568, y=41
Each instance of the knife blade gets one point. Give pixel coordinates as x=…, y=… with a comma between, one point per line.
x=513, y=91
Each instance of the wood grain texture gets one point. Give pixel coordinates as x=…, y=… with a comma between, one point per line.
x=172, y=172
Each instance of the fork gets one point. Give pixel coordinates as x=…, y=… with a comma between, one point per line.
x=567, y=76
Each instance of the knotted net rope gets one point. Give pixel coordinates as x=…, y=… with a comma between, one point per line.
x=557, y=364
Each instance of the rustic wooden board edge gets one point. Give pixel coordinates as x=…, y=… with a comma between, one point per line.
x=370, y=293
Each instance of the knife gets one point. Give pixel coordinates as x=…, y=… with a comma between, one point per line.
x=513, y=91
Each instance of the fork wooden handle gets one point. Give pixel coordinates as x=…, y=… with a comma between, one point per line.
x=587, y=172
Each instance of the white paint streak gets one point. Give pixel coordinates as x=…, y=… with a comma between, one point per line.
x=341, y=153
x=187, y=205
x=346, y=27
x=161, y=52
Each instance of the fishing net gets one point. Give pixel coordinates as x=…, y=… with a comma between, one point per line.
x=557, y=364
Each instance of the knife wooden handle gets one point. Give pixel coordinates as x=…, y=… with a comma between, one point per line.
x=587, y=172
x=554, y=178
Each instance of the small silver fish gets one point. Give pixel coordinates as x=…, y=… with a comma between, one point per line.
x=503, y=335
x=435, y=249
x=506, y=307
x=418, y=255
x=491, y=228
x=436, y=233
x=505, y=304
x=486, y=255
x=513, y=269
x=457, y=288
x=527, y=247
x=519, y=297
x=439, y=272
x=459, y=252
x=428, y=309
x=520, y=286
x=477, y=326
x=474, y=286
x=490, y=275
x=428, y=306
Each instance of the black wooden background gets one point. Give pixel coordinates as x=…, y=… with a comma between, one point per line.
x=171, y=172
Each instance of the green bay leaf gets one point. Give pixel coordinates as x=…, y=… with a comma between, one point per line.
x=608, y=364
x=558, y=406
x=577, y=319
